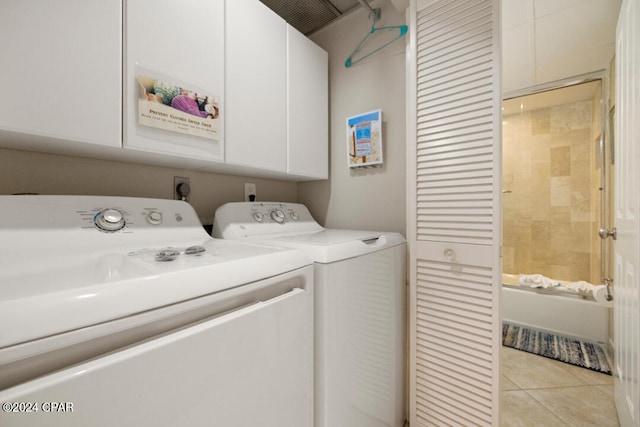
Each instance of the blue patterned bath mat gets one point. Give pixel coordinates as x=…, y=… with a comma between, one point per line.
x=568, y=350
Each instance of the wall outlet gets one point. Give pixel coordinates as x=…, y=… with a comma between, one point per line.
x=249, y=190
x=181, y=188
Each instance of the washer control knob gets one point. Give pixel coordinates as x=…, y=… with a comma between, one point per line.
x=277, y=215
x=109, y=220
x=294, y=216
x=258, y=216
x=154, y=218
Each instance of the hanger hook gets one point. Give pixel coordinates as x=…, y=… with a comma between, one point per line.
x=377, y=15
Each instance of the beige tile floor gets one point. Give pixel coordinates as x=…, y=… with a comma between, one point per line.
x=537, y=391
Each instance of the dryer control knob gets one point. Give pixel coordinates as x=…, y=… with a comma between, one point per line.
x=154, y=218
x=109, y=220
x=277, y=215
x=258, y=217
x=294, y=216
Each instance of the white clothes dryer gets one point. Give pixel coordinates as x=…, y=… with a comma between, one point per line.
x=360, y=300
x=125, y=312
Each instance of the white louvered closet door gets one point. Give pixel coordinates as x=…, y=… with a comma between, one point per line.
x=454, y=212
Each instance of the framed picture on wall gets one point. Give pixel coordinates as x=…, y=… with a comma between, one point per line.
x=364, y=139
x=165, y=103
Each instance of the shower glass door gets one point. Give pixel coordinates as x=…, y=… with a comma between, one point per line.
x=552, y=181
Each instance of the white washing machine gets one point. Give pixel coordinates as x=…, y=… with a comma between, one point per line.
x=360, y=293
x=125, y=312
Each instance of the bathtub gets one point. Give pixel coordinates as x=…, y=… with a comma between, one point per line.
x=557, y=312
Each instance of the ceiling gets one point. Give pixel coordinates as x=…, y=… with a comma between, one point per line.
x=308, y=16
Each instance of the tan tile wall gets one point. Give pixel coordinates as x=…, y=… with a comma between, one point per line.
x=549, y=214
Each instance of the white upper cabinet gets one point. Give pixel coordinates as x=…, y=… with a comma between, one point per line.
x=277, y=95
x=61, y=73
x=307, y=107
x=174, y=49
x=256, y=86
x=212, y=85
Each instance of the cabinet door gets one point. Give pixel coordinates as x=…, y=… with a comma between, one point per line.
x=308, y=94
x=61, y=75
x=179, y=44
x=256, y=85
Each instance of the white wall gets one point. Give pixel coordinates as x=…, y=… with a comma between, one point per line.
x=548, y=40
x=371, y=198
x=30, y=172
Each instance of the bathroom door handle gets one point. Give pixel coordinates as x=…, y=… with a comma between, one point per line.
x=604, y=233
x=608, y=282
